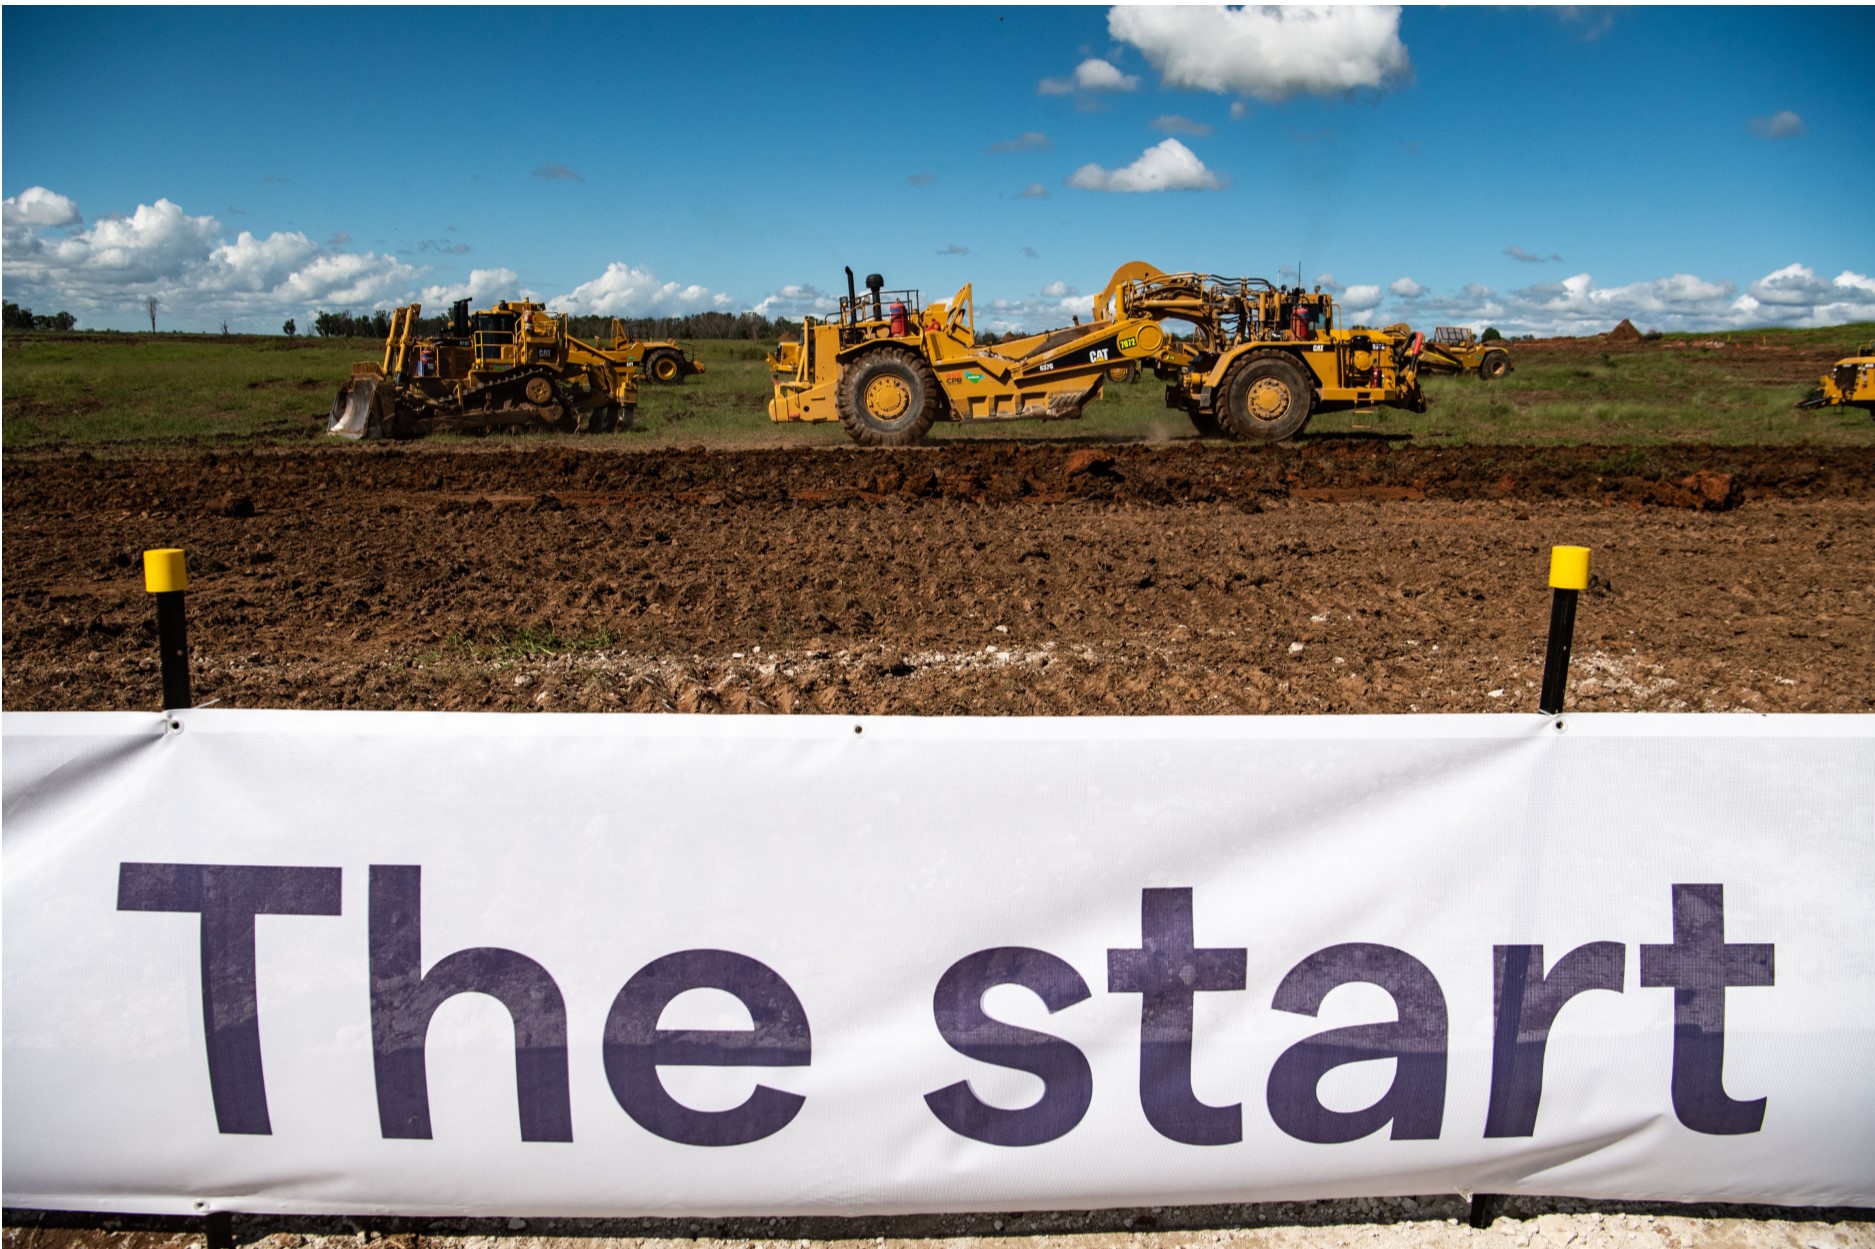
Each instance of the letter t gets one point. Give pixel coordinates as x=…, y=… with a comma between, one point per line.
x=1167, y=971
x=228, y=898
x=1699, y=966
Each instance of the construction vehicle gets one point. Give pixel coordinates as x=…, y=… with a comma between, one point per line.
x=510, y=367
x=1259, y=360
x=1456, y=349
x=888, y=367
x=661, y=360
x=1262, y=359
x=1850, y=383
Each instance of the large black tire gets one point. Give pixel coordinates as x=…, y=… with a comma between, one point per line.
x=888, y=398
x=665, y=366
x=1494, y=365
x=1265, y=398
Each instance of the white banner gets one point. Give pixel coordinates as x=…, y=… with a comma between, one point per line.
x=337, y=962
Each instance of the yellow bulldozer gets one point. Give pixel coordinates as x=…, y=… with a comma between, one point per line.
x=1256, y=363
x=1456, y=349
x=509, y=367
x=1850, y=383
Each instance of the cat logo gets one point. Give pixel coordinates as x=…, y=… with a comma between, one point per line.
x=1097, y=355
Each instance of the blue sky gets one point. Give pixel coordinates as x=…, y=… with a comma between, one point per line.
x=1543, y=170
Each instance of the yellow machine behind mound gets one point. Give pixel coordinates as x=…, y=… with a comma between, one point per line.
x=1257, y=361
x=1851, y=383
x=1456, y=349
x=513, y=366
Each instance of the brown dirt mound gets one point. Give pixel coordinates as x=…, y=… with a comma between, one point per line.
x=1624, y=333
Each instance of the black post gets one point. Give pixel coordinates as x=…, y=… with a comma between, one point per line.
x=172, y=642
x=1562, y=628
x=1568, y=576
x=1485, y=1208
x=166, y=575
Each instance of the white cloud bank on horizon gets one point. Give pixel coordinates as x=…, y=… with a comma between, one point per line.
x=1793, y=296
x=1167, y=166
x=1269, y=52
x=625, y=290
x=103, y=272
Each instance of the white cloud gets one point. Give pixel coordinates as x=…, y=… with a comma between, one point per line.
x=1406, y=288
x=1034, y=190
x=1239, y=110
x=1363, y=298
x=795, y=300
x=1055, y=306
x=1168, y=166
x=1793, y=295
x=1518, y=253
x=1269, y=52
x=483, y=287
x=624, y=290
x=252, y=264
x=1784, y=125
x=554, y=171
x=1094, y=74
x=954, y=249
x=36, y=207
x=349, y=279
x=104, y=272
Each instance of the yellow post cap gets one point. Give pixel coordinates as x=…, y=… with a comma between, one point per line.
x=1569, y=568
x=164, y=571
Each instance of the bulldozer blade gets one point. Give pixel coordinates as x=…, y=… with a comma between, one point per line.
x=1818, y=398
x=352, y=410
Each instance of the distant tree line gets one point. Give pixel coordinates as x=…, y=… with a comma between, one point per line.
x=352, y=325
x=18, y=318
x=745, y=325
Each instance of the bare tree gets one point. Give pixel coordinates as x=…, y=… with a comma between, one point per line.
x=150, y=306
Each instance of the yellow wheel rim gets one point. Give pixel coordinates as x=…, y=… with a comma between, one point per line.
x=666, y=369
x=888, y=398
x=539, y=390
x=1267, y=399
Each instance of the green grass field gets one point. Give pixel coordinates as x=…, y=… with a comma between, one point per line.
x=122, y=392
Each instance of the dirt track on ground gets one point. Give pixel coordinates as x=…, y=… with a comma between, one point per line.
x=982, y=578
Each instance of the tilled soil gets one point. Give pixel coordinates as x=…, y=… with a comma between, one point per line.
x=970, y=579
